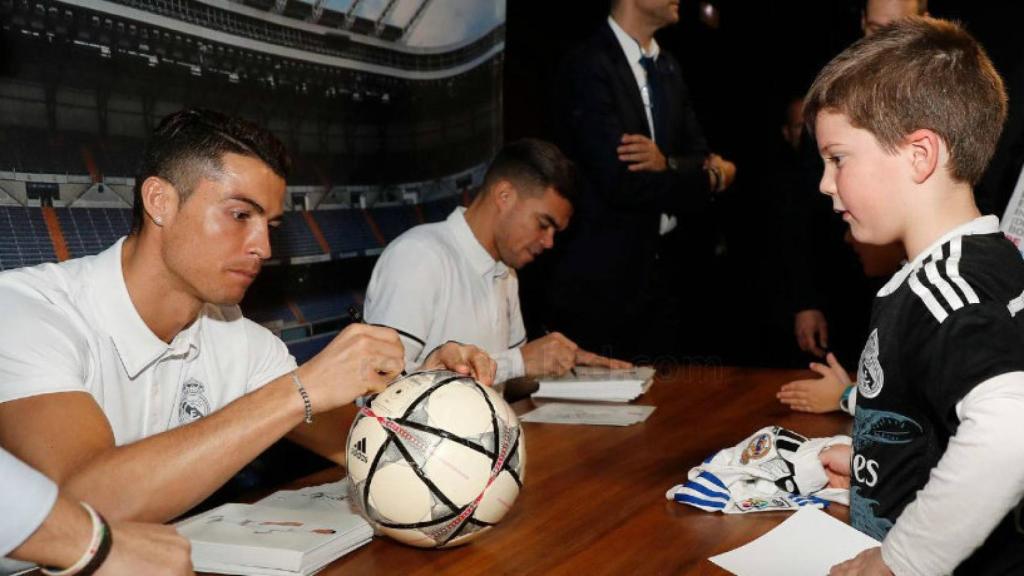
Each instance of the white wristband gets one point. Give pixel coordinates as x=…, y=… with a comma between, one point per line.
x=99, y=529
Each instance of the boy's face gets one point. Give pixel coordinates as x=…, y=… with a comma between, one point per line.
x=879, y=13
x=863, y=180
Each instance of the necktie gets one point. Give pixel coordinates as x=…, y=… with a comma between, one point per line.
x=656, y=95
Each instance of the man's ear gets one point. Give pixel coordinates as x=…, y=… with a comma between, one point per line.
x=504, y=195
x=924, y=150
x=160, y=199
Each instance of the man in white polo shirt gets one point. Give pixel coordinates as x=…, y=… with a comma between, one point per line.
x=456, y=280
x=131, y=377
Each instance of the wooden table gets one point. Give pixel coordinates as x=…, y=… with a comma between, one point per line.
x=594, y=497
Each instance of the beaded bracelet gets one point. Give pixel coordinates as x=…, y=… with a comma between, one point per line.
x=95, y=554
x=844, y=400
x=305, y=396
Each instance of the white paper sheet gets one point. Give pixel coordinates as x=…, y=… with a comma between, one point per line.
x=808, y=543
x=331, y=496
x=594, y=414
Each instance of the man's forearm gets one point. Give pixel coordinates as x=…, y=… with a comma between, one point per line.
x=162, y=476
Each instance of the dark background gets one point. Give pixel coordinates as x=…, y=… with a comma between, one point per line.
x=741, y=77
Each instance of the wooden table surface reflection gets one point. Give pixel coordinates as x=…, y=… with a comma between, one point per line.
x=594, y=497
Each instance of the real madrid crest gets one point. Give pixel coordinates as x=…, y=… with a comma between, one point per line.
x=757, y=448
x=870, y=377
x=194, y=404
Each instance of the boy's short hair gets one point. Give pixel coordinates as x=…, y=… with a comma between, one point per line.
x=190, y=144
x=916, y=73
x=535, y=166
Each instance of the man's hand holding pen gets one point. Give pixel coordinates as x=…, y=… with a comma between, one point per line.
x=553, y=355
x=362, y=359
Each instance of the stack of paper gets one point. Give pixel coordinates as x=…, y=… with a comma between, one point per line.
x=289, y=533
x=593, y=414
x=593, y=383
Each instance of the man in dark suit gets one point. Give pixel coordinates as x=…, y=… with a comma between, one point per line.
x=627, y=121
x=1004, y=171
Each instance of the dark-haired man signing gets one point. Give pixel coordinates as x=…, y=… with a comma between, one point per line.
x=456, y=280
x=131, y=377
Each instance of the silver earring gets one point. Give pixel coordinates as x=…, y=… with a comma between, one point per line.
x=158, y=221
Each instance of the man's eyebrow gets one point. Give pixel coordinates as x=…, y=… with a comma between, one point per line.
x=550, y=221
x=250, y=202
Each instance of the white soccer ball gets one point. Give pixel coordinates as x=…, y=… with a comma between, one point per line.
x=436, y=459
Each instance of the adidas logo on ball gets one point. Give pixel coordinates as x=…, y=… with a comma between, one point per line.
x=360, y=450
x=435, y=460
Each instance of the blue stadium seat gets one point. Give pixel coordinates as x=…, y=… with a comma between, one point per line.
x=438, y=210
x=294, y=238
x=346, y=231
x=306, y=348
x=24, y=240
x=89, y=231
x=393, y=220
x=317, y=307
x=268, y=312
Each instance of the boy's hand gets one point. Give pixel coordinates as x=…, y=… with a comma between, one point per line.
x=836, y=461
x=463, y=359
x=817, y=395
x=867, y=563
x=811, y=331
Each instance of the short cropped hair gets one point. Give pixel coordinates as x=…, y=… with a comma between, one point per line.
x=915, y=73
x=190, y=144
x=534, y=165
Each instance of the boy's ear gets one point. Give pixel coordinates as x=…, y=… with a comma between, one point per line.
x=924, y=148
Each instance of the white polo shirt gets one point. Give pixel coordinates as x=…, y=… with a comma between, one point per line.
x=72, y=327
x=436, y=283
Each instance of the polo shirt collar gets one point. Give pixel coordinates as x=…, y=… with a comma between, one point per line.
x=137, y=346
x=478, y=256
x=980, y=225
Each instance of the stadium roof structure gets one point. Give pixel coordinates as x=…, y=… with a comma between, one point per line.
x=240, y=26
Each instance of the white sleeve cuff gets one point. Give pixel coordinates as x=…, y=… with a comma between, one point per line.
x=25, y=501
x=510, y=364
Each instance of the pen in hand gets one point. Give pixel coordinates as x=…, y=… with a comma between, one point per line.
x=355, y=316
x=572, y=369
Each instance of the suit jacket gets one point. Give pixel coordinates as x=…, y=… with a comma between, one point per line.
x=608, y=255
x=996, y=186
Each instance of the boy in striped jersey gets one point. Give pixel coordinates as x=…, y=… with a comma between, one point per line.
x=906, y=121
